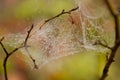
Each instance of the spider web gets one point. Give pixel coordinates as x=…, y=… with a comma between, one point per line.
x=60, y=37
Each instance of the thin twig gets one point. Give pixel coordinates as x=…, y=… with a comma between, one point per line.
x=117, y=43
x=62, y=13
x=1, y=39
x=5, y=60
x=104, y=45
x=13, y=51
x=46, y=21
x=24, y=44
x=115, y=16
x=33, y=60
x=8, y=54
x=26, y=47
x=28, y=34
x=6, y=57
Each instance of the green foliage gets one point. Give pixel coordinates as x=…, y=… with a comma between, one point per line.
x=32, y=8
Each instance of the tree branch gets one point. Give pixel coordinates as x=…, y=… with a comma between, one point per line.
x=46, y=21
x=1, y=39
x=118, y=42
x=116, y=45
x=28, y=35
x=6, y=57
x=115, y=16
x=33, y=60
x=8, y=54
x=62, y=13
x=26, y=47
x=104, y=45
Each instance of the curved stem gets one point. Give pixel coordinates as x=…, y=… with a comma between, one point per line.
x=117, y=42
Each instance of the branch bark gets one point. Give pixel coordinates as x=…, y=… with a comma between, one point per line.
x=8, y=54
x=24, y=44
x=26, y=47
x=62, y=13
x=7, y=57
x=116, y=44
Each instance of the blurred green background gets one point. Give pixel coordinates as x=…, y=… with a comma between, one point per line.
x=15, y=15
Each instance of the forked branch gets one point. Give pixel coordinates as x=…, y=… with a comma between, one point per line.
x=102, y=44
x=24, y=44
x=8, y=54
x=116, y=45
